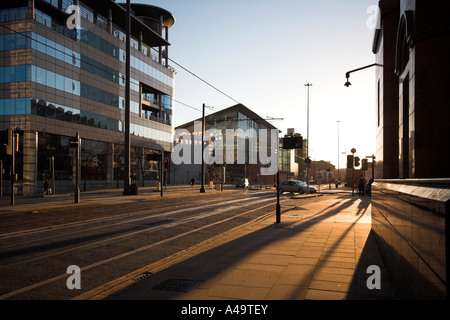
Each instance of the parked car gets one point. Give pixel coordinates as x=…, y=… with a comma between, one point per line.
x=293, y=186
x=242, y=183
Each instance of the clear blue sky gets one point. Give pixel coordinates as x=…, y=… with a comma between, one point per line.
x=262, y=53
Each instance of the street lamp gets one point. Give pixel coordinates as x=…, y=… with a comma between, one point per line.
x=307, y=136
x=127, y=175
x=338, y=122
x=347, y=74
x=202, y=188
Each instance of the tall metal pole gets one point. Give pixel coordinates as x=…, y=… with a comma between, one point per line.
x=307, y=137
x=202, y=188
x=338, y=122
x=13, y=166
x=162, y=173
x=278, y=208
x=52, y=159
x=1, y=179
x=127, y=176
x=77, y=169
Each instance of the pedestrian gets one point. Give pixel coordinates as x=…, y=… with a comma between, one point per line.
x=192, y=181
x=361, y=186
x=46, y=186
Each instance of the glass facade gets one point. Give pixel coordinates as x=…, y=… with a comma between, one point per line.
x=73, y=80
x=25, y=40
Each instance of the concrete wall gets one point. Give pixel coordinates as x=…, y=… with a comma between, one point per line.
x=409, y=220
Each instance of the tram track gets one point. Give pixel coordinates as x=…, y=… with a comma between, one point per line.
x=144, y=231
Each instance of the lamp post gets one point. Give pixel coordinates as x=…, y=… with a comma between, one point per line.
x=127, y=176
x=347, y=74
x=307, y=135
x=202, y=188
x=338, y=122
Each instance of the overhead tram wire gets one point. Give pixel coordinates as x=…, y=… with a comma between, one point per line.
x=201, y=79
x=105, y=71
x=134, y=82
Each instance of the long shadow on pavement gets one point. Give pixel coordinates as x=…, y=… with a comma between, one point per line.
x=208, y=267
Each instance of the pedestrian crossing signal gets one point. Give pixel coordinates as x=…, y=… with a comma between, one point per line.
x=166, y=164
x=293, y=142
x=365, y=164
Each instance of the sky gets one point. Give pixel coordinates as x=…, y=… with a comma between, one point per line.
x=261, y=53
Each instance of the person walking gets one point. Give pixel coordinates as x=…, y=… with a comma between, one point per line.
x=361, y=186
x=46, y=187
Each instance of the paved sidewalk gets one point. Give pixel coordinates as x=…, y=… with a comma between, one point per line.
x=319, y=251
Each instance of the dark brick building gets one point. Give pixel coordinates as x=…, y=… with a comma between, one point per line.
x=411, y=193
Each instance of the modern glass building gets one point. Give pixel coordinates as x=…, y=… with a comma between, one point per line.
x=245, y=154
x=57, y=80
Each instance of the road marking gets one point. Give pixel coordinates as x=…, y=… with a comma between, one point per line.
x=118, y=284
x=96, y=264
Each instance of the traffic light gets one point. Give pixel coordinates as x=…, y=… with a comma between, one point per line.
x=349, y=161
x=288, y=142
x=293, y=142
x=365, y=164
x=166, y=164
x=357, y=162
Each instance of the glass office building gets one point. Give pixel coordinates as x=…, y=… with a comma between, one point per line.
x=57, y=80
x=245, y=155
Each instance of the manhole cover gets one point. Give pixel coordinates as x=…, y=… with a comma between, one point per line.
x=177, y=285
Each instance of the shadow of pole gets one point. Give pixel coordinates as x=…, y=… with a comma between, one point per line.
x=237, y=250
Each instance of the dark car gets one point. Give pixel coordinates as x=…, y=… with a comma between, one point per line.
x=293, y=186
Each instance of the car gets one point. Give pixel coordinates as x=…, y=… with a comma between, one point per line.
x=242, y=183
x=293, y=186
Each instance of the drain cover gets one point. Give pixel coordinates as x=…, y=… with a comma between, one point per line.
x=177, y=285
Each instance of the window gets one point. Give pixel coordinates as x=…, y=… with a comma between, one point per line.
x=51, y=79
x=10, y=41
x=59, y=51
x=22, y=40
x=68, y=55
x=21, y=73
x=20, y=106
x=76, y=87
x=68, y=85
x=41, y=44
x=60, y=82
x=9, y=107
x=51, y=48
x=9, y=74
x=41, y=76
